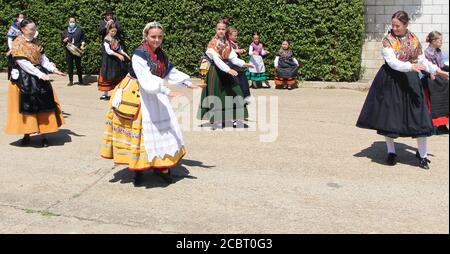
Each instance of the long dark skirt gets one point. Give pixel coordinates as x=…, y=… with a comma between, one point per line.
x=36, y=95
x=396, y=105
x=112, y=72
x=438, y=91
x=222, y=98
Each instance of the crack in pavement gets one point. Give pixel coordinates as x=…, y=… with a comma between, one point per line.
x=104, y=222
x=77, y=195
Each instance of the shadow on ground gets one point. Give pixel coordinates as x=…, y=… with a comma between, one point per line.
x=152, y=180
x=378, y=152
x=55, y=139
x=89, y=80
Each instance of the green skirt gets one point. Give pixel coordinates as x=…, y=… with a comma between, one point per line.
x=256, y=76
x=222, y=99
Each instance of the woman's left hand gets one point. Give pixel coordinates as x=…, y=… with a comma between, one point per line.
x=443, y=74
x=58, y=72
x=195, y=86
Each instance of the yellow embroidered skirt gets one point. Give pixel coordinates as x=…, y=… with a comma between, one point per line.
x=43, y=122
x=123, y=142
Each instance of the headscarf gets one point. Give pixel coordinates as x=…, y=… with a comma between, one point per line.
x=257, y=47
x=285, y=53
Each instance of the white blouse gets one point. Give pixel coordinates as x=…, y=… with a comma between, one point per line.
x=108, y=49
x=393, y=62
x=153, y=84
x=234, y=59
x=28, y=67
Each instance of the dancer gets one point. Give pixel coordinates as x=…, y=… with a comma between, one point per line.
x=436, y=88
x=242, y=77
x=141, y=129
x=32, y=103
x=395, y=105
x=114, y=63
x=13, y=33
x=222, y=98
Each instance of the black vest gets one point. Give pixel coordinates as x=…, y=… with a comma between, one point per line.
x=143, y=53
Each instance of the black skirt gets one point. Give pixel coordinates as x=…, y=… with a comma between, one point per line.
x=112, y=68
x=438, y=89
x=396, y=105
x=287, y=68
x=36, y=95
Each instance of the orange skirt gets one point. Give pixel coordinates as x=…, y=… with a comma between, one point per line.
x=43, y=122
x=284, y=81
x=105, y=85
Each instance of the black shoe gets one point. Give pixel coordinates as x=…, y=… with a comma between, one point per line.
x=70, y=83
x=25, y=141
x=104, y=97
x=391, y=159
x=165, y=176
x=44, y=142
x=137, y=180
x=423, y=162
x=290, y=87
x=285, y=87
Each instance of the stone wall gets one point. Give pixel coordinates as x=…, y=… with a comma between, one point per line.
x=426, y=16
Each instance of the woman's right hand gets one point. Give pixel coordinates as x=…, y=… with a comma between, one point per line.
x=232, y=72
x=121, y=57
x=443, y=74
x=418, y=67
x=45, y=77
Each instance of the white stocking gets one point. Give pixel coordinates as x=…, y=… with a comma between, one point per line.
x=390, y=145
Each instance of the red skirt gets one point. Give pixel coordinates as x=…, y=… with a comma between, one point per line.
x=105, y=85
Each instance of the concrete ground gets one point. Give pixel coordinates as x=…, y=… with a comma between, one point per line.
x=320, y=175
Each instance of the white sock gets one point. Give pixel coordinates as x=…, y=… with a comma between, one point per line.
x=422, y=147
x=105, y=93
x=390, y=145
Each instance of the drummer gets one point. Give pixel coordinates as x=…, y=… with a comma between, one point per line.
x=75, y=35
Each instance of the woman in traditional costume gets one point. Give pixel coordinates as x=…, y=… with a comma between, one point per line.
x=242, y=76
x=436, y=88
x=257, y=74
x=33, y=107
x=286, y=67
x=141, y=129
x=114, y=63
x=396, y=105
x=13, y=33
x=222, y=99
